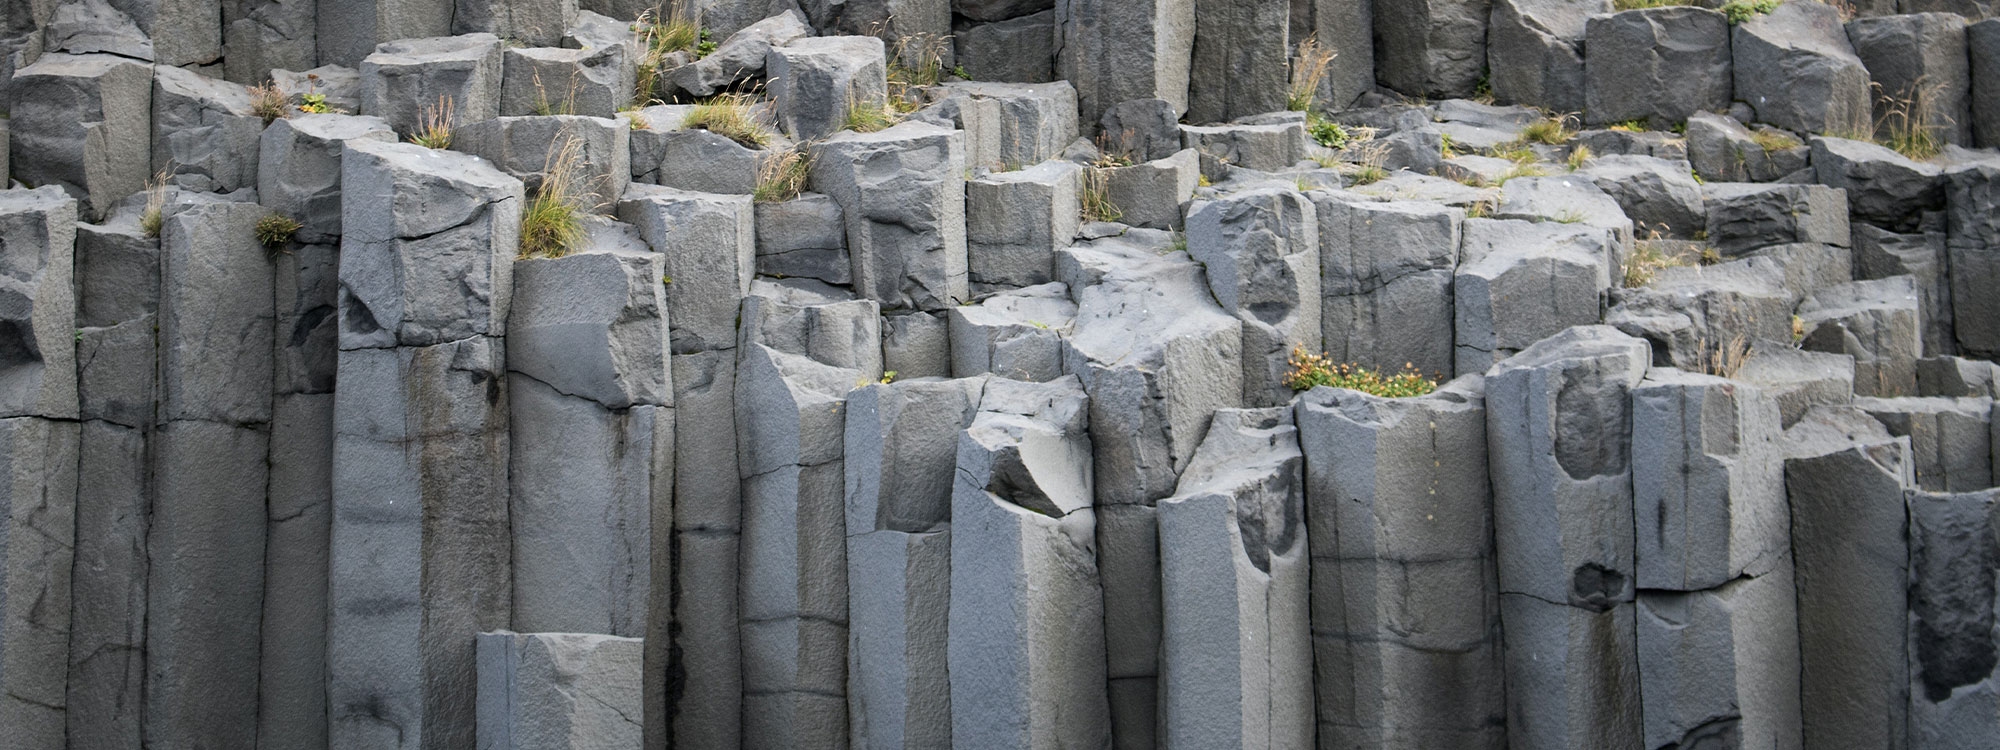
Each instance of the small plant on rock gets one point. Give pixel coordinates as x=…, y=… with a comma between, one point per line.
x=434, y=130
x=868, y=117
x=268, y=101
x=781, y=177
x=1311, y=371
x=1308, y=72
x=729, y=116
x=1648, y=258
x=1553, y=130
x=1096, y=197
x=1579, y=156
x=1910, y=123
x=1326, y=132
x=276, y=230
x=552, y=222
x=153, y=218
x=1740, y=11
x=1723, y=359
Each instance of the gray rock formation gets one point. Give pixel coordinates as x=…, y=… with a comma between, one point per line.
x=1662, y=65
x=456, y=79
x=1260, y=251
x=1386, y=274
x=558, y=691
x=1431, y=47
x=902, y=194
x=1797, y=69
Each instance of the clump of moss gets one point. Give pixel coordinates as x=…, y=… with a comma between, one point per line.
x=276, y=230
x=1311, y=371
x=729, y=116
x=1739, y=11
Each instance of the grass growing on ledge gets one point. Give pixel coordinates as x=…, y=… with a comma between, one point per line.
x=552, y=222
x=1553, y=130
x=153, y=218
x=1096, y=197
x=782, y=177
x=1308, y=72
x=1739, y=11
x=868, y=117
x=275, y=230
x=1910, y=122
x=435, y=129
x=268, y=101
x=729, y=116
x=1310, y=371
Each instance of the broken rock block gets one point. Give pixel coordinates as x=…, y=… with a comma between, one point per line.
x=1953, y=554
x=1919, y=60
x=1655, y=194
x=1846, y=479
x=559, y=691
x=739, y=58
x=804, y=317
x=1881, y=254
x=1150, y=194
x=1957, y=377
x=1242, y=59
x=1015, y=221
x=1026, y=648
x=299, y=168
x=1707, y=481
x=1535, y=51
x=1562, y=509
x=1883, y=187
x=1386, y=276
x=1797, y=70
x=1697, y=316
x=902, y=194
x=1722, y=664
x=1972, y=195
x=1662, y=65
x=204, y=134
x=1983, y=42
x=1037, y=120
x=1431, y=48
x=816, y=80
x=1875, y=322
x=1950, y=438
x=38, y=486
x=1567, y=266
x=532, y=23
x=595, y=82
x=349, y=32
x=1017, y=49
x=456, y=78
x=1406, y=640
x=1233, y=544
x=1745, y=217
x=1723, y=150
x=417, y=278
x=531, y=148
x=1260, y=251
x=83, y=123
x=1798, y=379
x=1015, y=335
x=38, y=303
x=805, y=236
x=1266, y=148
x=1118, y=50
x=711, y=249
x=264, y=36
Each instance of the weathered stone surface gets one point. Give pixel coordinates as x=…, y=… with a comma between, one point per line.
x=39, y=496
x=711, y=249
x=1876, y=323
x=1972, y=195
x=1723, y=150
x=1267, y=148
x=38, y=370
x=902, y=194
x=1950, y=438
x=594, y=82
x=1883, y=187
x=204, y=134
x=1534, y=50
x=902, y=439
x=1386, y=276
x=1566, y=266
x=1406, y=637
x=1799, y=380
x=1796, y=69
x=1241, y=60
x=1346, y=28
x=707, y=708
x=1151, y=194
x=83, y=123
x=456, y=77
x=807, y=318
x=1745, y=217
x=1661, y=65
x=1695, y=316
x=1260, y=252
x=1119, y=50
x=592, y=326
x=1016, y=335
x=1846, y=478
x=817, y=79
x=1036, y=120
x=739, y=58
x=917, y=345
x=1918, y=59
x=1956, y=377
x=1236, y=647
x=1569, y=201
x=267, y=35
x=292, y=707
x=559, y=691
x=1707, y=481
x=805, y=236
x=532, y=23
x=340, y=85
x=1142, y=129
x=1558, y=426
x=1881, y=254
x=1015, y=221
x=1656, y=194
x=1983, y=43
x=300, y=167
x=1017, y=49
x=1434, y=48
x=529, y=148
x=107, y=622
x=1721, y=665
x=429, y=249
x=95, y=26
x=420, y=540
x=1026, y=652
x=216, y=317
x=1953, y=554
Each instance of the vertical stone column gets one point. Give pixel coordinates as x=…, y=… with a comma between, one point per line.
x=38, y=462
x=1260, y=249
x=902, y=193
x=1119, y=50
x=84, y=122
x=420, y=526
x=1558, y=431
x=1386, y=282
x=1242, y=59
x=1954, y=556
x=1405, y=603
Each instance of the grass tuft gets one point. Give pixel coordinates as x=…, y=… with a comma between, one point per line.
x=276, y=230
x=1308, y=72
x=781, y=177
x=153, y=218
x=1553, y=130
x=435, y=130
x=1310, y=371
x=868, y=117
x=1739, y=11
x=268, y=101
x=1096, y=195
x=1579, y=156
x=552, y=222
x=1910, y=122
x=729, y=116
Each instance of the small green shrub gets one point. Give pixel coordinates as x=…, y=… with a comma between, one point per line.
x=276, y=230
x=729, y=116
x=1739, y=11
x=435, y=130
x=1311, y=371
x=1327, y=132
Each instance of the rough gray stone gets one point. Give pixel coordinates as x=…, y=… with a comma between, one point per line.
x=1241, y=60
x=1407, y=640
x=807, y=318
x=1345, y=28
x=1846, y=479
x=1266, y=148
x=532, y=23
x=815, y=80
x=1143, y=129
x=300, y=168
x=1661, y=65
x=530, y=148
x=107, y=621
x=204, y=135
x=1950, y=438
x=1656, y=194
x=1956, y=377
x=38, y=496
x=1016, y=335
x=216, y=316
x=457, y=78
x=1745, y=217
x=592, y=326
x=38, y=303
x=269, y=35
x=1668, y=146
x=1919, y=60
x=1570, y=201
x=1567, y=267
x=1875, y=322
x=1707, y=481
x=559, y=691
x=1558, y=430
x=1723, y=150
x=1233, y=544
x=1883, y=187
x=1880, y=254
x=1971, y=196
x=429, y=276
x=1693, y=316
x=711, y=249
x=84, y=123
x=1019, y=49
x=1036, y=120
x=902, y=439
x=1026, y=653
x=902, y=193
x=917, y=345
x=1015, y=221
x=1534, y=51
x=292, y=707
x=1953, y=554
x=1119, y=50
x=1260, y=251
x=341, y=86
x=95, y=26
x=1432, y=48
x=595, y=81
x=1386, y=274
x=1983, y=42
x=1799, y=380
x=1152, y=194
x=804, y=236
x=708, y=709
x=1796, y=69
x=1721, y=665
x=740, y=58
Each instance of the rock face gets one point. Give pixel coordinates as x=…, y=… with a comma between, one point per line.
x=1261, y=253
x=1916, y=62
x=1534, y=49
x=1118, y=50
x=82, y=122
x=1797, y=70
x=1240, y=63
x=1386, y=281
x=1661, y=65
x=1431, y=47
x=558, y=690
x=902, y=194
